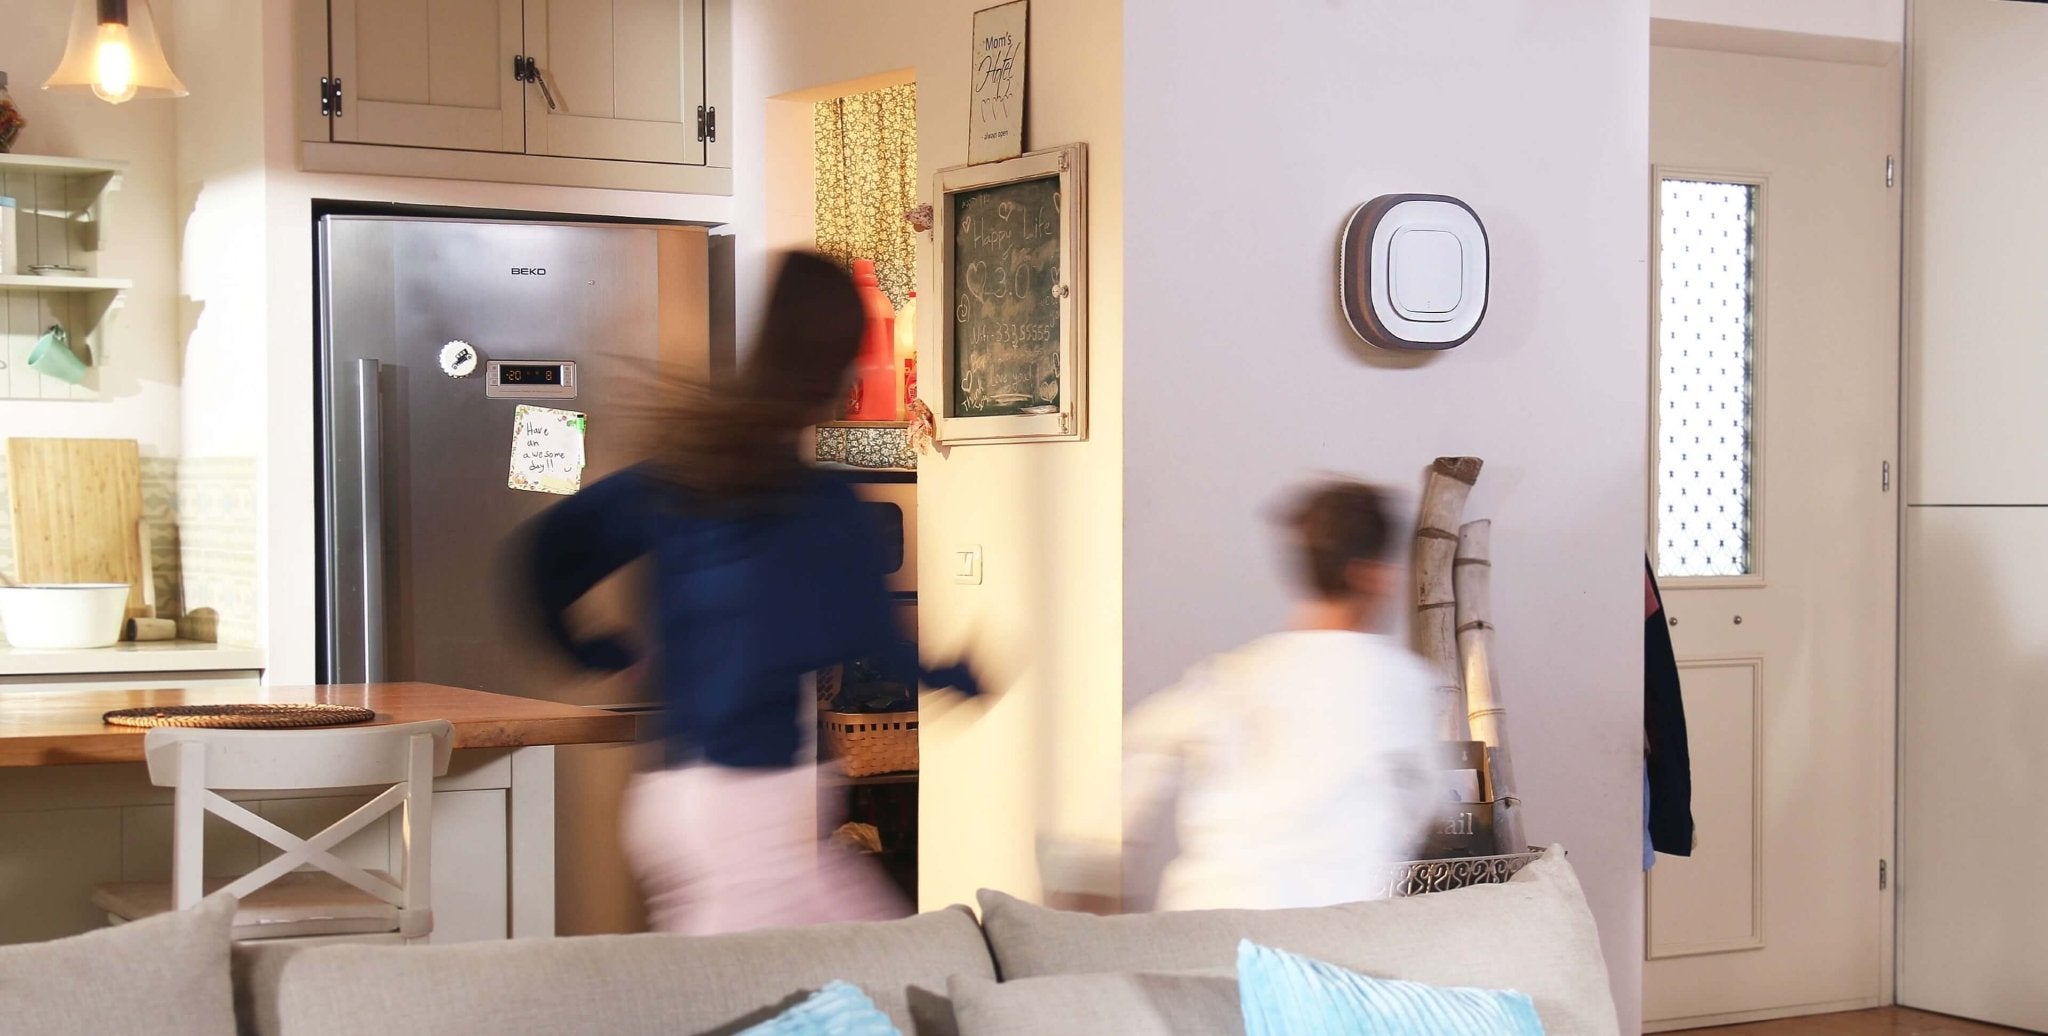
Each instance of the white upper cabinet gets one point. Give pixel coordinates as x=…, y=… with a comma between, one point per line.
x=621, y=79
x=428, y=73
x=597, y=93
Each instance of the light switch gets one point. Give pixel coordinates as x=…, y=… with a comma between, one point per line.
x=967, y=565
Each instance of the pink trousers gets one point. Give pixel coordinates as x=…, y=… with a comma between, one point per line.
x=721, y=849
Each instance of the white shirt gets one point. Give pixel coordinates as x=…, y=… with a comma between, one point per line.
x=1295, y=766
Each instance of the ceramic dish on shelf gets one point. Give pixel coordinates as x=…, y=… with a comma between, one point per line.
x=55, y=616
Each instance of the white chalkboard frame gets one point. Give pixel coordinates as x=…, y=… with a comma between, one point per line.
x=1070, y=163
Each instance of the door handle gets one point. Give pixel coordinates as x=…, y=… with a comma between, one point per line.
x=370, y=458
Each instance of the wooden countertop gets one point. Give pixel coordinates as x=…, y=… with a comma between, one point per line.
x=55, y=728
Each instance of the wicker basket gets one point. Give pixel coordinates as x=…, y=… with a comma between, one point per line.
x=869, y=743
x=1424, y=876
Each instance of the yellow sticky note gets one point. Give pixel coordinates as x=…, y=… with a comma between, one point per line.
x=547, y=450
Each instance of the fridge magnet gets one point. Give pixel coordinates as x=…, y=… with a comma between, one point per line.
x=995, y=114
x=547, y=450
x=458, y=359
x=1013, y=273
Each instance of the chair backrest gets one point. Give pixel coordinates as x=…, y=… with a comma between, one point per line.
x=403, y=757
x=286, y=760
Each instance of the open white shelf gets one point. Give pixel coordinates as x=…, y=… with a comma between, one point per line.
x=62, y=166
x=62, y=205
x=95, y=177
x=39, y=283
x=80, y=205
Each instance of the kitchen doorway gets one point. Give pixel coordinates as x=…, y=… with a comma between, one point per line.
x=841, y=179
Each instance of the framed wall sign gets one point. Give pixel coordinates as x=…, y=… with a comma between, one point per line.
x=1013, y=273
x=995, y=118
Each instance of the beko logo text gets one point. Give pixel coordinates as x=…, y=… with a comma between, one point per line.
x=529, y=271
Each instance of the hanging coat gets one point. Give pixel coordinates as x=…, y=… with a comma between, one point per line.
x=1667, y=758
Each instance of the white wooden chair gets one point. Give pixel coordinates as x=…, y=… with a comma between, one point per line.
x=278, y=900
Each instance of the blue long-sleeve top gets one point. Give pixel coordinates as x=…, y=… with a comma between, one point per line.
x=745, y=604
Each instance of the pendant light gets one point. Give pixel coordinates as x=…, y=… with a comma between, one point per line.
x=114, y=52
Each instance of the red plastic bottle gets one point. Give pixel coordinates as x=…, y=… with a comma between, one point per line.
x=874, y=395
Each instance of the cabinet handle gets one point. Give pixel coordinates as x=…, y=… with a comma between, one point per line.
x=526, y=70
x=541, y=81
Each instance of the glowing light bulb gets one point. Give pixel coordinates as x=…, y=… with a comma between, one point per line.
x=113, y=64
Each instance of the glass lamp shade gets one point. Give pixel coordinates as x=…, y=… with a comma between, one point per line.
x=114, y=52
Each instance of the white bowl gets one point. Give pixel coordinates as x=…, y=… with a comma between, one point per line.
x=63, y=615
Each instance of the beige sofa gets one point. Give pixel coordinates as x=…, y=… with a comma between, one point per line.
x=1019, y=969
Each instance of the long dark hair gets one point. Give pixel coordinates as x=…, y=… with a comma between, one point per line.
x=735, y=445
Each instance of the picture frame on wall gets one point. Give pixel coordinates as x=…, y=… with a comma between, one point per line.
x=1012, y=274
x=996, y=94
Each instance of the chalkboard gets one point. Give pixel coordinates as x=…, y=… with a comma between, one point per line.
x=1005, y=341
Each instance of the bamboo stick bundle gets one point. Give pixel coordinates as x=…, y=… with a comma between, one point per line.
x=1449, y=482
x=1473, y=581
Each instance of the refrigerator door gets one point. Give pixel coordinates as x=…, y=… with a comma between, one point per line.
x=429, y=453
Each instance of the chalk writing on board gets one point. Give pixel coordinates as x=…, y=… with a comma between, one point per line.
x=1006, y=299
x=547, y=450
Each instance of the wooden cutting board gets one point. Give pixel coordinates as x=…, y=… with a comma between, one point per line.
x=76, y=504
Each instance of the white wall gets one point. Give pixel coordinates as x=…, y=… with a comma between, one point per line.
x=1241, y=379
x=1855, y=19
x=139, y=373
x=1047, y=619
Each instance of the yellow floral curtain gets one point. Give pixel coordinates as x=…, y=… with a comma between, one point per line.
x=867, y=180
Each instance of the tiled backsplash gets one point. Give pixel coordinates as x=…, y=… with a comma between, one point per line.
x=217, y=548
x=202, y=519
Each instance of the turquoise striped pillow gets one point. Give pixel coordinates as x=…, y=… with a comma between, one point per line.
x=1283, y=994
x=839, y=1009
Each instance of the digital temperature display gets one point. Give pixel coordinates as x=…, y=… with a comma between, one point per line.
x=530, y=373
x=530, y=379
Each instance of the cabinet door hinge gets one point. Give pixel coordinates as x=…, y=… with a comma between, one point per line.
x=707, y=124
x=1884, y=877
x=330, y=97
x=1891, y=171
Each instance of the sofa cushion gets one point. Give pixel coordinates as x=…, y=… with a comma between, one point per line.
x=1101, y=1004
x=165, y=975
x=623, y=984
x=1285, y=993
x=1533, y=934
x=839, y=1009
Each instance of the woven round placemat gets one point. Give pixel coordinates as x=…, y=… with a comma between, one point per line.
x=241, y=717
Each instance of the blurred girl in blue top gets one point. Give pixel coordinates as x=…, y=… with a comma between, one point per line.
x=765, y=569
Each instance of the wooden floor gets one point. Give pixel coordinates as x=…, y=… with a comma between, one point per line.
x=1889, y=1021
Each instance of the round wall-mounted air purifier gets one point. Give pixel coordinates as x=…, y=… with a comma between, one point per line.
x=1412, y=271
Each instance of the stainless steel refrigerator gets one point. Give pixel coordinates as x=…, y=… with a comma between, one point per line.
x=433, y=332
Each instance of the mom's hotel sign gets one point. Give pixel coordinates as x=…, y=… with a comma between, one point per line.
x=995, y=117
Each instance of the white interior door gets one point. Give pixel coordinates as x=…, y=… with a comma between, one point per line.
x=1973, y=910
x=1775, y=367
